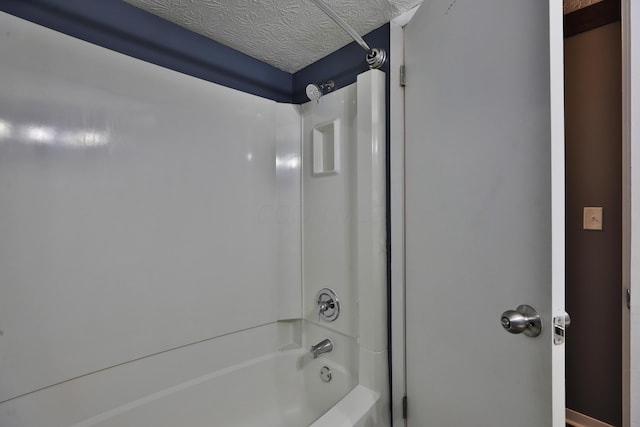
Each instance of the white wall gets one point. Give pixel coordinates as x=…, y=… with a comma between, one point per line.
x=141, y=212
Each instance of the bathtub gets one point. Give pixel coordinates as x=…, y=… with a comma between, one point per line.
x=281, y=389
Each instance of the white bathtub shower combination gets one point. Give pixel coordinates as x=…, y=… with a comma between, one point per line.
x=181, y=235
x=277, y=390
x=283, y=388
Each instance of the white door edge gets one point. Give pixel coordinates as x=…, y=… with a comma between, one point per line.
x=556, y=52
x=626, y=208
x=631, y=20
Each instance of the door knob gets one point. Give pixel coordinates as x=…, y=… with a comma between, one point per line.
x=523, y=320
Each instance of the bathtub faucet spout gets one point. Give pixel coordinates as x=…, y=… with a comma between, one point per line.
x=324, y=346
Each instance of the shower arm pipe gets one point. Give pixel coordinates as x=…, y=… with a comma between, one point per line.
x=341, y=22
x=375, y=57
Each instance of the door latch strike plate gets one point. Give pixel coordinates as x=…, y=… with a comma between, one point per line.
x=560, y=325
x=558, y=330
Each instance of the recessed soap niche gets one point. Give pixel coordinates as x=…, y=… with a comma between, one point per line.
x=326, y=148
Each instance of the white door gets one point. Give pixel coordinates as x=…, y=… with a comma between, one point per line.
x=484, y=212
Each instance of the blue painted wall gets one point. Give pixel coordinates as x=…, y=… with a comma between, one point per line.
x=126, y=29
x=341, y=66
x=118, y=26
x=121, y=27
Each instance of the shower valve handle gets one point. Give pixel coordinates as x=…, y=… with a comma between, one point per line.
x=325, y=305
x=328, y=305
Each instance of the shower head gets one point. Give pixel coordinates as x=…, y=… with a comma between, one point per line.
x=315, y=91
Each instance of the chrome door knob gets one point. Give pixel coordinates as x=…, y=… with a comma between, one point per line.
x=523, y=320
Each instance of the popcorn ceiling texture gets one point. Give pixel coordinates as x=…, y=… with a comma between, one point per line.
x=573, y=5
x=287, y=34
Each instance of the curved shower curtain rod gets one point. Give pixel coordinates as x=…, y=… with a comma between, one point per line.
x=375, y=57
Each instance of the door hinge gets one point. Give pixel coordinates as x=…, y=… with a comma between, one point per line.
x=403, y=76
x=404, y=407
x=628, y=297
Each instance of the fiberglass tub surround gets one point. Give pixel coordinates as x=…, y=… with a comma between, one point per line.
x=343, y=213
x=165, y=217
x=276, y=390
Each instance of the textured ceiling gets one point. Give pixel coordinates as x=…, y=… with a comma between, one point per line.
x=573, y=5
x=288, y=34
